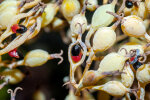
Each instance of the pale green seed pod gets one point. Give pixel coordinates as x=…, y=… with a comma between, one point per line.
x=36, y=58
x=57, y=23
x=49, y=14
x=13, y=75
x=140, y=11
x=143, y=74
x=147, y=3
x=8, y=9
x=71, y=96
x=113, y=88
x=70, y=8
x=101, y=18
x=90, y=78
x=130, y=46
x=104, y=38
x=127, y=77
x=78, y=24
x=133, y=26
x=92, y=4
x=112, y=62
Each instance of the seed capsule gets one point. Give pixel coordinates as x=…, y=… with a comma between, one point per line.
x=100, y=19
x=127, y=77
x=130, y=46
x=109, y=64
x=13, y=75
x=104, y=38
x=113, y=88
x=134, y=26
x=8, y=9
x=143, y=75
x=92, y=4
x=147, y=3
x=78, y=24
x=70, y=8
x=36, y=58
x=49, y=13
x=140, y=10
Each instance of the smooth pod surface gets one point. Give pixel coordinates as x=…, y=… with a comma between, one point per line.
x=14, y=75
x=101, y=18
x=36, y=58
x=78, y=24
x=104, y=38
x=133, y=26
x=49, y=13
x=113, y=88
x=143, y=74
x=70, y=8
x=112, y=62
x=127, y=77
x=8, y=9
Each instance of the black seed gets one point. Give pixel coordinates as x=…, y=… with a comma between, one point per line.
x=13, y=36
x=129, y=4
x=76, y=50
x=22, y=29
x=137, y=65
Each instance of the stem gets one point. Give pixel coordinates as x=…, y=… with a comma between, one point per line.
x=88, y=37
x=147, y=37
x=122, y=7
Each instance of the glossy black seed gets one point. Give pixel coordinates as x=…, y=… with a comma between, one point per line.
x=137, y=65
x=22, y=29
x=76, y=50
x=20, y=55
x=13, y=36
x=129, y=4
